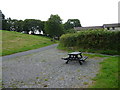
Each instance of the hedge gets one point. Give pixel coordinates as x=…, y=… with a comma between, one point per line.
x=92, y=39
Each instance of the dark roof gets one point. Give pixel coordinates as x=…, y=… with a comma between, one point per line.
x=111, y=25
x=86, y=28
x=98, y=27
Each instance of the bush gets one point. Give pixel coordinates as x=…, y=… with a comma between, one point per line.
x=92, y=39
x=70, y=31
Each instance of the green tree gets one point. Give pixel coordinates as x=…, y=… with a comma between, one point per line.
x=43, y=27
x=18, y=25
x=3, y=16
x=6, y=24
x=53, y=26
x=10, y=24
x=71, y=23
x=32, y=25
x=27, y=25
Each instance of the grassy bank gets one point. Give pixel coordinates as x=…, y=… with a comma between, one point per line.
x=13, y=42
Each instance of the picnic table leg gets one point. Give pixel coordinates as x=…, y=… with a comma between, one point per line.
x=81, y=55
x=80, y=62
x=83, y=60
x=67, y=61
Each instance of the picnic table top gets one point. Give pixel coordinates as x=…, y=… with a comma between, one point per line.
x=74, y=53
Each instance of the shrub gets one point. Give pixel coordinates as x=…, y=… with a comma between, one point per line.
x=92, y=39
x=70, y=31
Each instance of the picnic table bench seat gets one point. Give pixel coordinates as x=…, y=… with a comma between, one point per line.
x=65, y=58
x=84, y=58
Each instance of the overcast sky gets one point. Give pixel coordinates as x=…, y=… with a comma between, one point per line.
x=89, y=12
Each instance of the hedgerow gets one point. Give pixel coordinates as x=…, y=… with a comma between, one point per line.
x=92, y=39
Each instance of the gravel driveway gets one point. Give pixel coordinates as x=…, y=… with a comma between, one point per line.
x=46, y=69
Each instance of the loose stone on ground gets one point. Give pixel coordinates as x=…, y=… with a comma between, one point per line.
x=46, y=69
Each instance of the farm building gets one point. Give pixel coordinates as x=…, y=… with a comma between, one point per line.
x=87, y=28
x=114, y=26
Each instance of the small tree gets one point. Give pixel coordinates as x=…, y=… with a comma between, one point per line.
x=53, y=26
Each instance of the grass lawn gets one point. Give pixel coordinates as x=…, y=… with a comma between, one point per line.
x=13, y=42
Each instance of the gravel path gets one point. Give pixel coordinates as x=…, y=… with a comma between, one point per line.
x=28, y=52
x=47, y=69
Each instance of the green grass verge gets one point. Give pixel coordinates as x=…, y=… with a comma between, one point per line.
x=70, y=49
x=95, y=55
x=13, y=42
x=108, y=75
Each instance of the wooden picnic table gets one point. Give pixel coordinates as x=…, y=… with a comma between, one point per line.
x=75, y=56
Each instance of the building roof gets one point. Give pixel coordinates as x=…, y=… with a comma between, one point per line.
x=86, y=28
x=111, y=25
x=98, y=27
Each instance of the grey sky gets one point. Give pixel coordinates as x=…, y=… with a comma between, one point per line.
x=89, y=12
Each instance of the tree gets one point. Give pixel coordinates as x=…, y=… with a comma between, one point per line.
x=18, y=25
x=43, y=27
x=32, y=25
x=6, y=24
x=54, y=26
x=71, y=23
x=3, y=16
